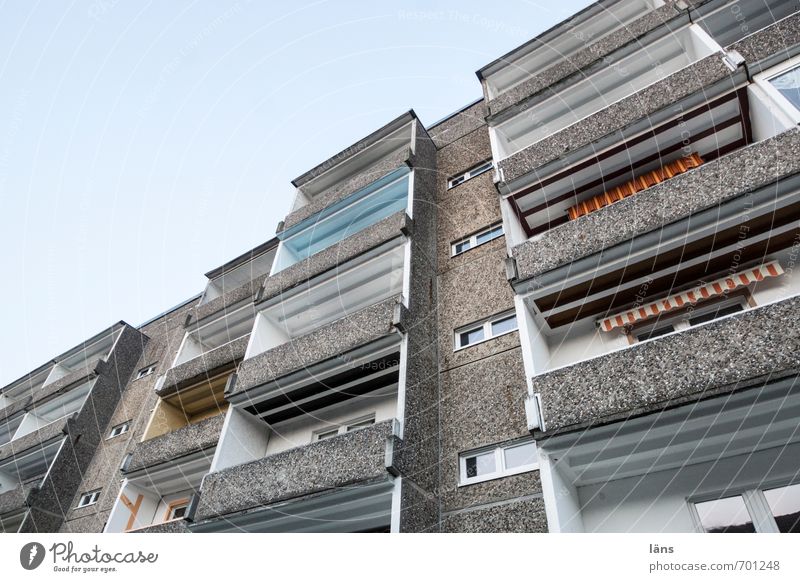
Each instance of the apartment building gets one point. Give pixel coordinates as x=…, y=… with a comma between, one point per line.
x=569, y=306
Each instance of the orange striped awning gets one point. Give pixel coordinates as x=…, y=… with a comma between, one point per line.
x=696, y=295
x=631, y=187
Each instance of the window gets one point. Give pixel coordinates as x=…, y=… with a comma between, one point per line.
x=788, y=85
x=477, y=239
x=689, y=318
x=89, y=498
x=772, y=510
x=177, y=509
x=146, y=371
x=349, y=426
x=491, y=328
x=471, y=173
x=494, y=462
x=119, y=429
x=726, y=515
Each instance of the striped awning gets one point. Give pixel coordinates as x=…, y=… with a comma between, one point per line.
x=693, y=296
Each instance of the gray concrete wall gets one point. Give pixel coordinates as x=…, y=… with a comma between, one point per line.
x=482, y=386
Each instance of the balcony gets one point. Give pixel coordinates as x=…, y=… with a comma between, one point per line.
x=339, y=221
x=716, y=181
x=567, y=48
x=391, y=147
x=679, y=63
x=686, y=468
x=721, y=356
x=266, y=361
x=236, y=280
x=209, y=348
x=157, y=497
x=284, y=491
x=24, y=471
x=177, y=443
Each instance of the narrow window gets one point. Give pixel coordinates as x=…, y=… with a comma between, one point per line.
x=491, y=328
x=784, y=503
x=89, y=498
x=727, y=515
x=499, y=461
x=146, y=371
x=479, y=238
x=177, y=509
x=119, y=429
x=788, y=85
x=469, y=174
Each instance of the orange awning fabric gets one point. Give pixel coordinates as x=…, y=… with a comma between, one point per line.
x=696, y=295
x=631, y=187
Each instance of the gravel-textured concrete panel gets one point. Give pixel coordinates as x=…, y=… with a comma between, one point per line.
x=459, y=125
x=344, y=189
x=227, y=300
x=174, y=526
x=40, y=522
x=198, y=368
x=14, y=498
x=359, y=328
x=578, y=61
x=178, y=443
x=523, y=516
x=782, y=38
x=683, y=83
x=337, y=462
x=419, y=510
x=737, y=173
x=717, y=357
x=338, y=254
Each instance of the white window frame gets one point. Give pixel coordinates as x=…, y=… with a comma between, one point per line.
x=486, y=325
x=125, y=426
x=499, y=462
x=146, y=371
x=473, y=172
x=763, y=81
x=89, y=498
x=473, y=239
x=755, y=503
x=343, y=428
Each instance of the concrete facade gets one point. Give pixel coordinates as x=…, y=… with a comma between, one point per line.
x=448, y=366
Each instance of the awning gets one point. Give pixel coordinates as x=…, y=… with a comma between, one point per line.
x=714, y=289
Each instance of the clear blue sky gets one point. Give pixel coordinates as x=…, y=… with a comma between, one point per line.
x=145, y=143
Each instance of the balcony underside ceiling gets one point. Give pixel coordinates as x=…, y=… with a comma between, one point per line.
x=177, y=475
x=351, y=509
x=355, y=373
x=755, y=419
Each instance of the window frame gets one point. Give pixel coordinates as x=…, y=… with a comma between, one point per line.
x=146, y=371
x=486, y=326
x=174, y=505
x=93, y=497
x=344, y=427
x=758, y=508
x=125, y=425
x=499, y=462
x=473, y=172
x=473, y=239
x=763, y=80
